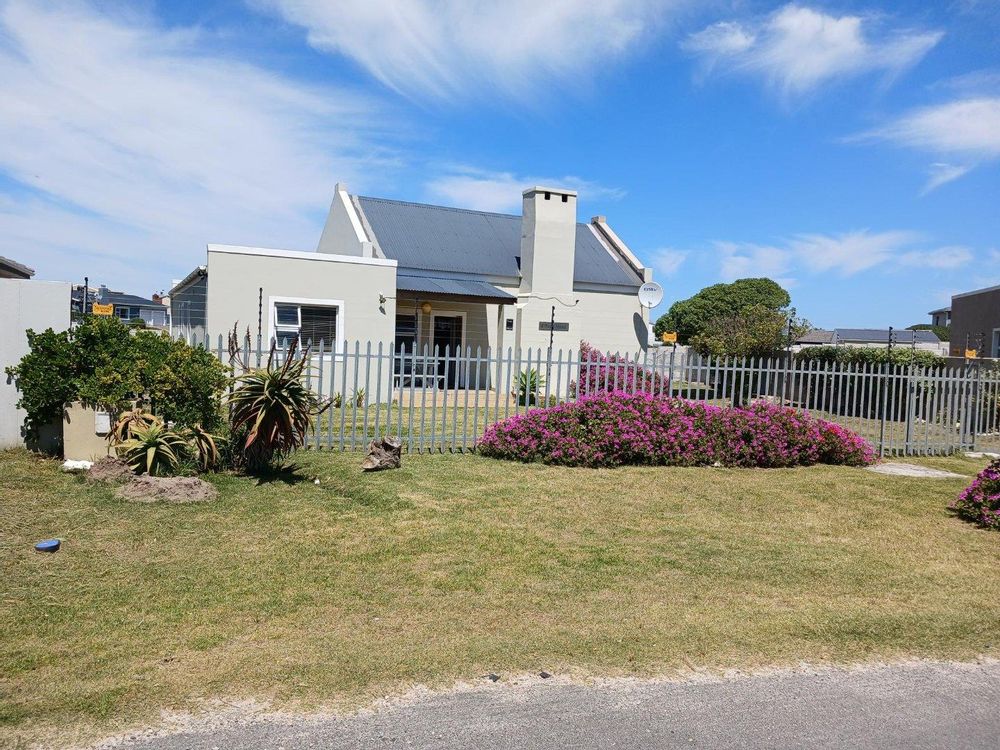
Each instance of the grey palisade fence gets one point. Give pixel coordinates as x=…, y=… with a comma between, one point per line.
x=444, y=399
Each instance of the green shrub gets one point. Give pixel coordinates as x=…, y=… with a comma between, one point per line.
x=861, y=355
x=105, y=364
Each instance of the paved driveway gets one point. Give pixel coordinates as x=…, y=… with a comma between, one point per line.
x=919, y=705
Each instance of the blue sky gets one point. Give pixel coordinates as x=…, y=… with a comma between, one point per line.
x=849, y=149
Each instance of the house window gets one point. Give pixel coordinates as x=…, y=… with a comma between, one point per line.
x=995, y=349
x=309, y=324
x=406, y=333
x=509, y=325
x=127, y=313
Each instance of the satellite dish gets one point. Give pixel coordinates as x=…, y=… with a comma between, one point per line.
x=650, y=294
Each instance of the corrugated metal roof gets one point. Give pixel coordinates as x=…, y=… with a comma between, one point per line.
x=881, y=336
x=437, y=238
x=131, y=300
x=454, y=287
x=815, y=337
x=15, y=268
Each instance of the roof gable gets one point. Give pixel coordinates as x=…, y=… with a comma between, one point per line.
x=455, y=240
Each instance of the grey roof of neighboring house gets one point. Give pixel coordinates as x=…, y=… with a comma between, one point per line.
x=940, y=310
x=453, y=287
x=437, y=238
x=18, y=269
x=128, y=300
x=817, y=336
x=881, y=336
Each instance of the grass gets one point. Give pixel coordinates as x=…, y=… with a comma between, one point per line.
x=455, y=566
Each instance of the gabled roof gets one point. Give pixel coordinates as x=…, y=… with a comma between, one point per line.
x=817, y=336
x=881, y=336
x=128, y=300
x=455, y=240
x=11, y=268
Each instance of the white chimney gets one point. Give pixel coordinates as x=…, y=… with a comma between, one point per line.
x=548, y=240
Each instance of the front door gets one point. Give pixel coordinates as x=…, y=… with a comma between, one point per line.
x=448, y=338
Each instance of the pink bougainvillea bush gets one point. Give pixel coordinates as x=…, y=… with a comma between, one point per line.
x=980, y=501
x=617, y=428
x=600, y=372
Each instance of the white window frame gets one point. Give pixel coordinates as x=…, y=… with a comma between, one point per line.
x=272, y=318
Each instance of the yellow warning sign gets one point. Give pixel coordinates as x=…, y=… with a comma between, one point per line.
x=971, y=354
x=669, y=337
x=103, y=309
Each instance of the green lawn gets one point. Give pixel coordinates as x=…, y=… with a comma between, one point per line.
x=455, y=566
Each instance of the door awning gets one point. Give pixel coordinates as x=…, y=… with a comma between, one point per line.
x=479, y=291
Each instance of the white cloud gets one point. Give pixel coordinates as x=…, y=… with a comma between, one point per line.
x=449, y=47
x=667, y=261
x=851, y=252
x=843, y=254
x=943, y=173
x=134, y=145
x=797, y=49
x=740, y=260
x=467, y=187
x=944, y=258
x=967, y=129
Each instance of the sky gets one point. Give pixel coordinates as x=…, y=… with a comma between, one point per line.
x=849, y=150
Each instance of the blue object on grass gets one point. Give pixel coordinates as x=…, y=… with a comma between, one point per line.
x=48, y=545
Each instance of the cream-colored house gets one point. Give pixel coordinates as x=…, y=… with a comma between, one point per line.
x=409, y=274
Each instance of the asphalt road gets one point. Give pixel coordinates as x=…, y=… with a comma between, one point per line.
x=921, y=705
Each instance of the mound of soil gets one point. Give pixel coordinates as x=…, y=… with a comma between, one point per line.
x=110, y=469
x=147, y=489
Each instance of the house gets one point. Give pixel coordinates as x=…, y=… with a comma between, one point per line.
x=975, y=322
x=127, y=307
x=941, y=317
x=11, y=269
x=876, y=337
x=429, y=276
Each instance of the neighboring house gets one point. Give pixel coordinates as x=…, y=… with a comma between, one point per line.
x=975, y=322
x=877, y=337
x=941, y=317
x=428, y=276
x=127, y=307
x=11, y=269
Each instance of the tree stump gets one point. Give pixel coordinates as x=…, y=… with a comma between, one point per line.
x=383, y=453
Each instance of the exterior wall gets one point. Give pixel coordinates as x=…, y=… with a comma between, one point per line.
x=941, y=319
x=85, y=434
x=611, y=322
x=236, y=274
x=343, y=233
x=974, y=318
x=25, y=304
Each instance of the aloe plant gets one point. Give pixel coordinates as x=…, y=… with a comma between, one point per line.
x=153, y=449
x=203, y=445
x=271, y=410
x=529, y=384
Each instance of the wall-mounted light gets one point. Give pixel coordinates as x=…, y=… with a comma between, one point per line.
x=426, y=308
x=381, y=299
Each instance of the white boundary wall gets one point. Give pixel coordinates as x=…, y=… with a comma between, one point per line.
x=24, y=304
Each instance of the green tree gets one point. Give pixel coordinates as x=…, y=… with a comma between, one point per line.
x=755, y=331
x=690, y=317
